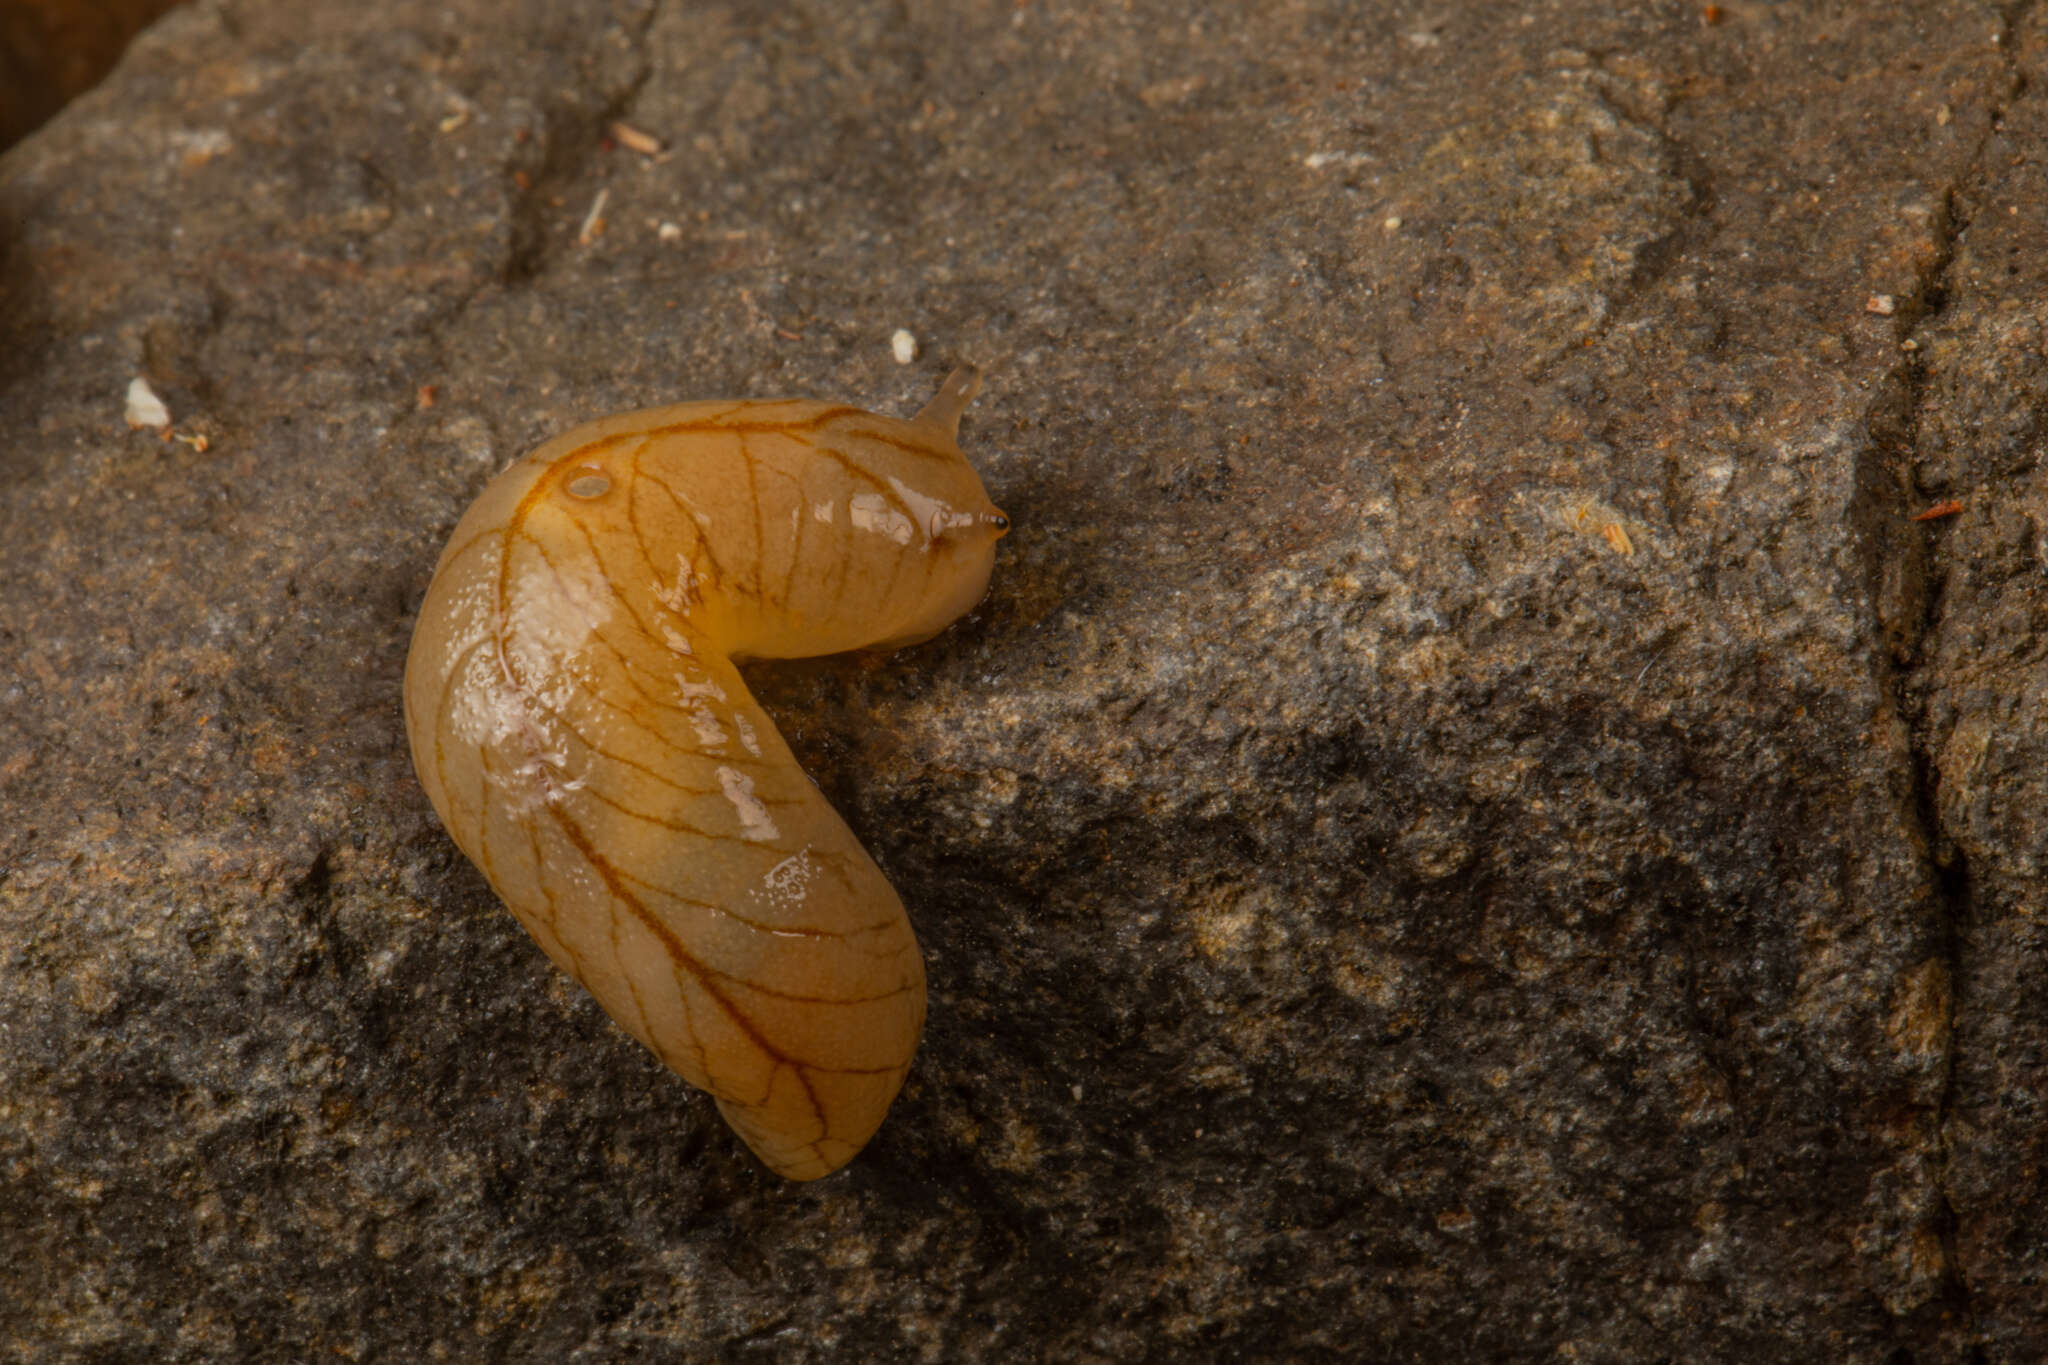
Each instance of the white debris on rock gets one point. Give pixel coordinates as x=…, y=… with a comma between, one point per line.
x=144, y=408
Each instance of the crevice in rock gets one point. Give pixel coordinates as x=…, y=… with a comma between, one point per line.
x=1655, y=258
x=561, y=149
x=1906, y=570
x=566, y=146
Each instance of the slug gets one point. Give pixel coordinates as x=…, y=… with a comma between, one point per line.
x=578, y=723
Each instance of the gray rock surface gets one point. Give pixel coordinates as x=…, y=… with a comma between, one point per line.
x=1473, y=824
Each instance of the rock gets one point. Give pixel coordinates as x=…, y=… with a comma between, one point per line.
x=1473, y=822
x=52, y=50
x=1977, y=688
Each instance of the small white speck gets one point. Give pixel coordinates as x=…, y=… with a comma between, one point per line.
x=1884, y=305
x=789, y=881
x=593, y=221
x=903, y=345
x=145, y=409
x=1392, y=223
x=670, y=232
x=756, y=825
x=1077, y=1094
x=710, y=733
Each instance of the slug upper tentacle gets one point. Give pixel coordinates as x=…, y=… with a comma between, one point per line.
x=578, y=723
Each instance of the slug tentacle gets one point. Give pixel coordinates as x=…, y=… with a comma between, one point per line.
x=951, y=401
x=577, y=721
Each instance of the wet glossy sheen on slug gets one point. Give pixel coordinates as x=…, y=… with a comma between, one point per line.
x=576, y=718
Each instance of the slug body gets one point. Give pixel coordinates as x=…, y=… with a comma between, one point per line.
x=578, y=722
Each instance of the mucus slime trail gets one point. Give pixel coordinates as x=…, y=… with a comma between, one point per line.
x=578, y=723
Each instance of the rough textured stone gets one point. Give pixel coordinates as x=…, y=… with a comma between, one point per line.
x=1978, y=439
x=1471, y=825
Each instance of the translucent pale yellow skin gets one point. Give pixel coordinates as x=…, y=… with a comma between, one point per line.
x=577, y=721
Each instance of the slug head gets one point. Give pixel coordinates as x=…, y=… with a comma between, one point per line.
x=920, y=535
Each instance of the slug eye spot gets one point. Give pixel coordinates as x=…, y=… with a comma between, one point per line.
x=589, y=483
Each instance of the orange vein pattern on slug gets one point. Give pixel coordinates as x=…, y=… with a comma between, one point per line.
x=578, y=723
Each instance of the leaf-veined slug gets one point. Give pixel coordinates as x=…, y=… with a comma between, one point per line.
x=577, y=721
